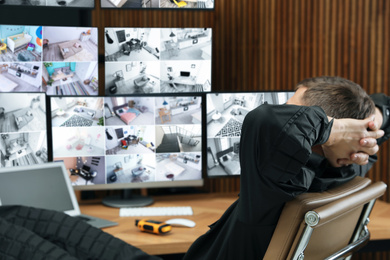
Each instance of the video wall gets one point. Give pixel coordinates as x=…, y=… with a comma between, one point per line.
x=157, y=60
x=124, y=4
x=162, y=4
x=23, y=129
x=51, y=3
x=54, y=60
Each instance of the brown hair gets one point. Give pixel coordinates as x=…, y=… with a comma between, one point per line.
x=338, y=97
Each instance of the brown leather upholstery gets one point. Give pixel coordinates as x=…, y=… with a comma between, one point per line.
x=339, y=210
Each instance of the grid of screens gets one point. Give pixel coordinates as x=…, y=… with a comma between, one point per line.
x=165, y=4
x=52, y=3
x=157, y=60
x=55, y=60
x=225, y=115
x=128, y=141
x=23, y=129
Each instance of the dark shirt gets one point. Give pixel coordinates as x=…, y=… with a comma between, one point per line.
x=277, y=164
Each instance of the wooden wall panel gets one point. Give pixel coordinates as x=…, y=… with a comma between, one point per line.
x=273, y=44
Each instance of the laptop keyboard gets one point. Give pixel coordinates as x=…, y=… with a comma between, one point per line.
x=155, y=211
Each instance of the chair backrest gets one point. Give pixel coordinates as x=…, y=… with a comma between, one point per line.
x=317, y=225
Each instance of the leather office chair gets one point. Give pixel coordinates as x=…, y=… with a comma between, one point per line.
x=326, y=225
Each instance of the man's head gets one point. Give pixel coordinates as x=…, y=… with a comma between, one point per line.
x=338, y=97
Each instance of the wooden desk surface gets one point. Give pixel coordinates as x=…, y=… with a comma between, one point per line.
x=379, y=225
x=207, y=209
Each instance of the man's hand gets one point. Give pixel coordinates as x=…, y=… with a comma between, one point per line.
x=361, y=158
x=352, y=141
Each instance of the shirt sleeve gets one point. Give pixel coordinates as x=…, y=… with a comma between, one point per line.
x=275, y=146
x=279, y=139
x=291, y=144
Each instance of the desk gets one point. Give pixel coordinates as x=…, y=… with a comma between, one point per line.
x=187, y=82
x=207, y=209
x=184, y=80
x=379, y=225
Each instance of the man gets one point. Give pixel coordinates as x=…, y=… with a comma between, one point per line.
x=286, y=150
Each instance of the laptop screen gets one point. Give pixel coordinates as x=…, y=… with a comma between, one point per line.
x=42, y=185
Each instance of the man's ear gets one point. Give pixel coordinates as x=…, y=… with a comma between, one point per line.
x=296, y=99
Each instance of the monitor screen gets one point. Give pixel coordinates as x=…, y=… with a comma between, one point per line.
x=55, y=60
x=124, y=142
x=225, y=114
x=70, y=60
x=185, y=73
x=23, y=129
x=158, y=4
x=42, y=186
x=157, y=60
x=52, y=3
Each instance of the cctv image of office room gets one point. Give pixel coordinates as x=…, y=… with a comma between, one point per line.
x=143, y=60
x=225, y=115
x=144, y=110
x=23, y=129
x=166, y=4
x=52, y=3
x=70, y=59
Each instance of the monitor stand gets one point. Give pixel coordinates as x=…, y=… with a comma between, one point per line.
x=126, y=199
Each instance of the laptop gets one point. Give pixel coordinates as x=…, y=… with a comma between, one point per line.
x=45, y=186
